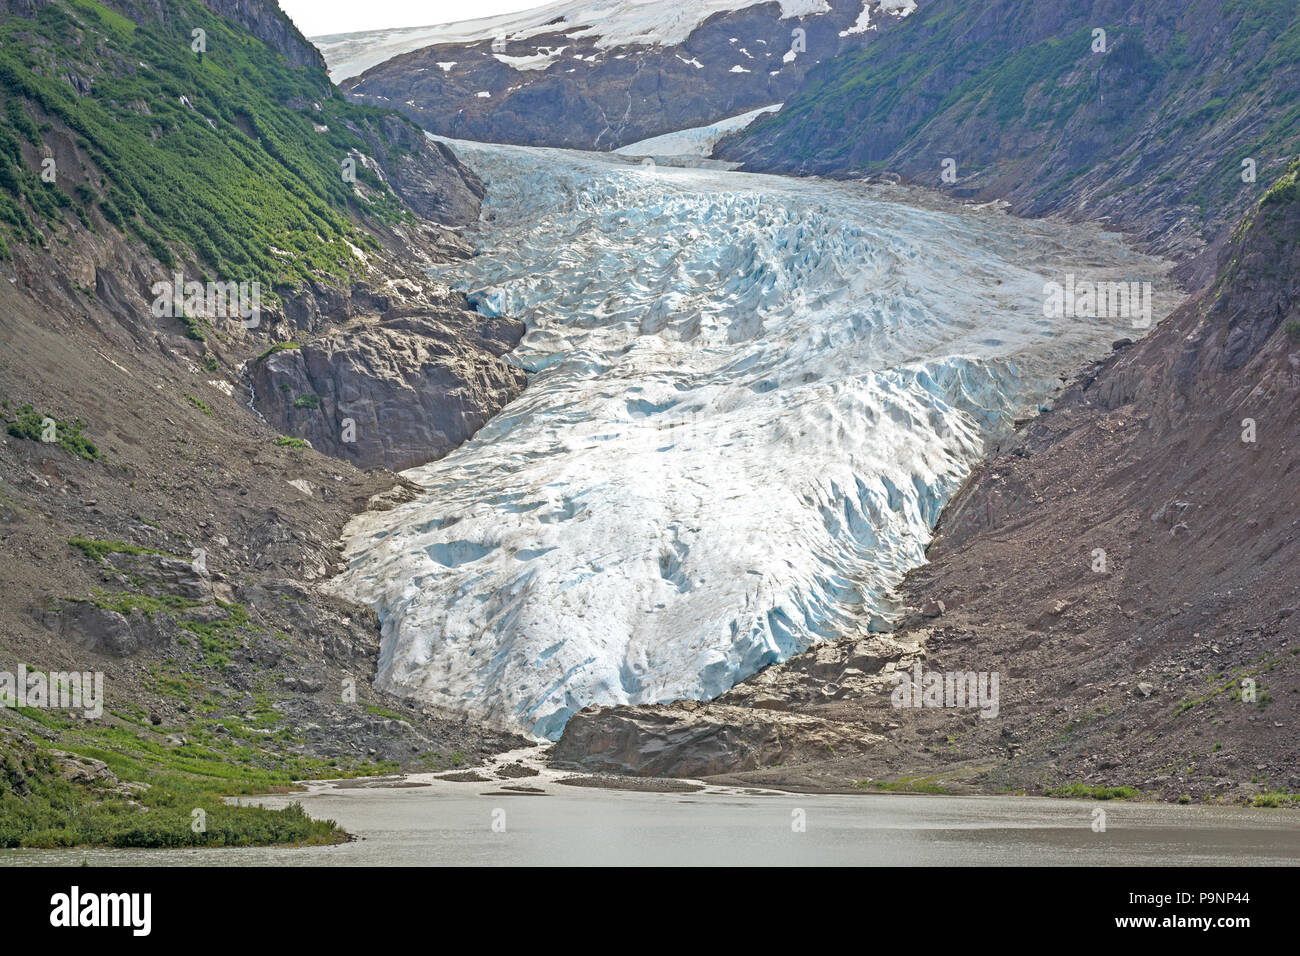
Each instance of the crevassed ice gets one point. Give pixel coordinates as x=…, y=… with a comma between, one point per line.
x=751, y=398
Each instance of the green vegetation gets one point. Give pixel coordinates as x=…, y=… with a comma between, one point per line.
x=199, y=404
x=1286, y=190
x=217, y=638
x=175, y=801
x=1083, y=791
x=381, y=712
x=1277, y=798
x=98, y=550
x=915, y=784
x=194, y=328
x=284, y=441
x=1232, y=685
x=30, y=425
x=231, y=159
x=307, y=401
x=223, y=738
x=1274, y=18
x=277, y=347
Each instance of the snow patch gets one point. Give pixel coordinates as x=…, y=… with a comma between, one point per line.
x=540, y=60
x=697, y=141
x=863, y=23
x=899, y=8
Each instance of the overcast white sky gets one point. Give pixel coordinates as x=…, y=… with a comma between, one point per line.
x=323, y=17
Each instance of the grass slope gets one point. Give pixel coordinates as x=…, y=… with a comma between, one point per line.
x=232, y=156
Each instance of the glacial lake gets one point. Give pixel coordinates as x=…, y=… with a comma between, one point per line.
x=421, y=821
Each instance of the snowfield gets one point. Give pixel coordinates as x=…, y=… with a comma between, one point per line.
x=698, y=141
x=751, y=398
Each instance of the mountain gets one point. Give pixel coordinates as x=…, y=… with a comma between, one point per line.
x=594, y=75
x=195, y=291
x=1125, y=563
x=1151, y=136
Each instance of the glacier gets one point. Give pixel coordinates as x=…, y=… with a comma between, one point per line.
x=750, y=398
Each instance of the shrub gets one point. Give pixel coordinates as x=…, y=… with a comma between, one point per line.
x=30, y=426
x=277, y=347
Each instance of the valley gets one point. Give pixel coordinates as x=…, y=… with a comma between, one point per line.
x=635, y=398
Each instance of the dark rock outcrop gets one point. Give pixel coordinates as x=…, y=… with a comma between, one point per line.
x=396, y=392
x=265, y=20
x=105, y=631
x=428, y=176
x=687, y=739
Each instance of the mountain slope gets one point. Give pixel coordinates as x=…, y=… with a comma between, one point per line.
x=602, y=75
x=131, y=110
x=153, y=526
x=1125, y=563
x=1150, y=135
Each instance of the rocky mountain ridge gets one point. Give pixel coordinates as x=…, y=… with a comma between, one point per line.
x=601, y=76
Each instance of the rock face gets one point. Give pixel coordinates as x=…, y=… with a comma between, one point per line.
x=110, y=632
x=158, y=575
x=265, y=20
x=394, y=392
x=600, y=76
x=1150, y=135
x=428, y=176
x=785, y=715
